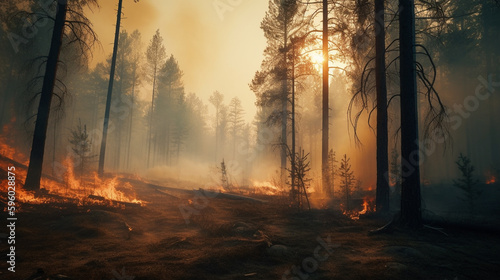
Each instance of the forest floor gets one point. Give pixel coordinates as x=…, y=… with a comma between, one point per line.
x=188, y=235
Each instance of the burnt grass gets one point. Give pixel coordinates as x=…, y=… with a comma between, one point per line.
x=230, y=239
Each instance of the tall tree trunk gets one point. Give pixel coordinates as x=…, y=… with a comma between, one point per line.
x=216, y=134
x=151, y=117
x=489, y=55
x=324, y=139
x=119, y=126
x=110, y=91
x=411, y=212
x=54, y=147
x=284, y=102
x=42, y=120
x=129, y=140
x=234, y=143
x=293, y=162
x=382, y=196
x=169, y=125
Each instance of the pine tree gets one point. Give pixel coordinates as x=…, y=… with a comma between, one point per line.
x=283, y=20
x=217, y=99
x=382, y=193
x=224, y=177
x=181, y=127
x=332, y=169
x=235, y=119
x=299, y=172
x=81, y=146
x=81, y=33
x=135, y=58
x=411, y=204
x=347, y=181
x=155, y=56
x=468, y=182
x=171, y=109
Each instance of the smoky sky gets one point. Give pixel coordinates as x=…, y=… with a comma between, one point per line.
x=216, y=49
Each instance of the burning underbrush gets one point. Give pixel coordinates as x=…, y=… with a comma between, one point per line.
x=267, y=188
x=68, y=188
x=367, y=206
x=491, y=180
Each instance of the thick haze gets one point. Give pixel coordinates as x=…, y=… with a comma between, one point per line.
x=216, y=50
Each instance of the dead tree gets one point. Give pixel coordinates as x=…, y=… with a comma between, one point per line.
x=69, y=17
x=382, y=193
x=110, y=91
x=42, y=120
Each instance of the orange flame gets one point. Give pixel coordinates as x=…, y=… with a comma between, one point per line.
x=73, y=188
x=10, y=152
x=106, y=188
x=491, y=180
x=368, y=206
x=365, y=207
x=266, y=188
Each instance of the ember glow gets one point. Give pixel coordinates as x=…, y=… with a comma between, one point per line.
x=365, y=208
x=6, y=150
x=368, y=207
x=85, y=186
x=266, y=188
x=83, y=191
x=491, y=180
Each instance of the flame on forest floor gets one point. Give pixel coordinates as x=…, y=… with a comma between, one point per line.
x=84, y=186
x=266, y=188
x=491, y=180
x=6, y=150
x=365, y=208
x=368, y=207
x=74, y=189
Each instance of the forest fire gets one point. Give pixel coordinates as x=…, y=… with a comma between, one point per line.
x=365, y=208
x=92, y=187
x=491, y=180
x=82, y=191
x=368, y=207
x=10, y=152
x=266, y=188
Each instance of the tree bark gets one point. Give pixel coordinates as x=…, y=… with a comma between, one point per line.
x=324, y=141
x=293, y=162
x=129, y=140
x=151, y=118
x=284, y=102
x=382, y=193
x=42, y=120
x=411, y=214
x=110, y=91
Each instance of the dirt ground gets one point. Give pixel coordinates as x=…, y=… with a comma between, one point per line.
x=198, y=235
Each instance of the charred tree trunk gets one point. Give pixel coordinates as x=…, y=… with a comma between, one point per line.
x=110, y=91
x=411, y=214
x=42, y=120
x=324, y=141
x=382, y=196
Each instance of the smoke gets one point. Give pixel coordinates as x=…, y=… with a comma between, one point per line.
x=187, y=170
